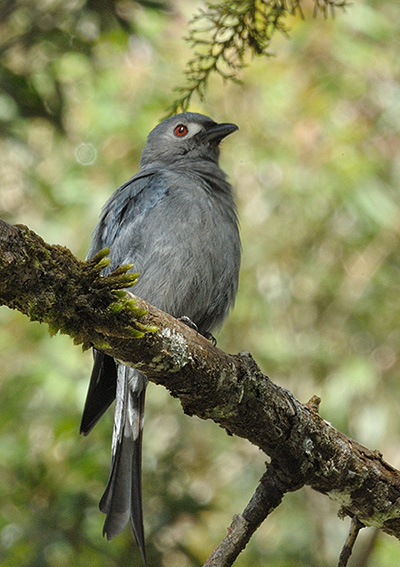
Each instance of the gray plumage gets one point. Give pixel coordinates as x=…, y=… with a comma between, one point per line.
x=175, y=220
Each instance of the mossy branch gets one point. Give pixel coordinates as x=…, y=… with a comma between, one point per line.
x=49, y=284
x=225, y=33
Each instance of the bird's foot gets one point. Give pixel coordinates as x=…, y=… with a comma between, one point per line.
x=188, y=322
x=211, y=338
x=193, y=325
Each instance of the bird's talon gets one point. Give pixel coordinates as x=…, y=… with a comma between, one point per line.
x=211, y=338
x=188, y=322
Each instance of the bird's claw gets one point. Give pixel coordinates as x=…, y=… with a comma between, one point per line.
x=211, y=338
x=188, y=322
x=193, y=325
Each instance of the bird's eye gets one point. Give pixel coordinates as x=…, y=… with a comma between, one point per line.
x=180, y=130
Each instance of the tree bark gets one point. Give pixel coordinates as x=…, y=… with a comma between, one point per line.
x=50, y=285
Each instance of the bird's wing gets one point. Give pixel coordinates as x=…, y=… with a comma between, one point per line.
x=122, y=498
x=124, y=211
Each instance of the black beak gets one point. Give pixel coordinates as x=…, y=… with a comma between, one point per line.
x=219, y=132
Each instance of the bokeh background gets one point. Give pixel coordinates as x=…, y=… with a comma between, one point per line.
x=316, y=167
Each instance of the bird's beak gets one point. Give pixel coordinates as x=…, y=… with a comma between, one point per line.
x=219, y=132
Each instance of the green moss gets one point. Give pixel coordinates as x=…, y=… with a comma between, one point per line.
x=122, y=270
x=100, y=255
x=72, y=296
x=120, y=293
x=115, y=307
x=149, y=328
x=103, y=345
x=104, y=262
x=134, y=333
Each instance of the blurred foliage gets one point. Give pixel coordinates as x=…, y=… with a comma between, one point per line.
x=34, y=34
x=316, y=166
x=223, y=34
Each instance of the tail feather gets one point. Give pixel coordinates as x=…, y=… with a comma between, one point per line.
x=136, y=483
x=101, y=393
x=122, y=499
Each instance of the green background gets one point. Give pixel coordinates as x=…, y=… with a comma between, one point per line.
x=316, y=168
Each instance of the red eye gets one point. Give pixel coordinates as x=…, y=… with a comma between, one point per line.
x=180, y=130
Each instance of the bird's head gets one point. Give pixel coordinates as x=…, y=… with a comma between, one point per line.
x=188, y=136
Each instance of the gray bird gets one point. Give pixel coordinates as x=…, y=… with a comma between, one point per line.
x=175, y=220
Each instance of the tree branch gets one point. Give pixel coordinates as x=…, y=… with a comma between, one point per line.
x=224, y=34
x=50, y=285
x=347, y=549
x=267, y=497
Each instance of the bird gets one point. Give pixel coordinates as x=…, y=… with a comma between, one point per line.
x=176, y=222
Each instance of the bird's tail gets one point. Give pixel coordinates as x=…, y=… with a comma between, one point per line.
x=122, y=499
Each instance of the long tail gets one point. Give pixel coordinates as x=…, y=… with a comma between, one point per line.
x=122, y=499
